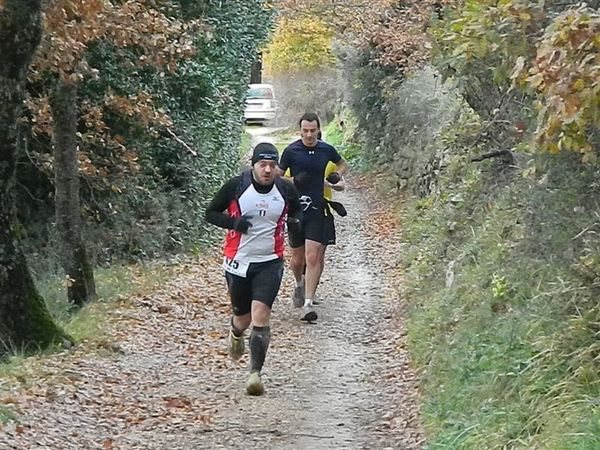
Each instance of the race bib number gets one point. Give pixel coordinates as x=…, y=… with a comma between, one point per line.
x=235, y=267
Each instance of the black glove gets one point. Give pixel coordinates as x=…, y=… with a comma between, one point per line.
x=294, y=225
x=241, y=224
x=302, y=179
x=334, y=178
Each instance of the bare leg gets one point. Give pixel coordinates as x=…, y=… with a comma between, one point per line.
x=321, y=262
x=241, y=323
x=261, y=314
x=314, y=252
x=297, y=262
x=236, y=335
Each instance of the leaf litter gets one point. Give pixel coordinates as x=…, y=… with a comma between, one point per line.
x=165, y=381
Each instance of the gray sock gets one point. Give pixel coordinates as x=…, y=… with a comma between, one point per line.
x=259, y=343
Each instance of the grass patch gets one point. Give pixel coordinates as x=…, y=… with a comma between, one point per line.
x=6, y=414
x=502, y=281
x=282, y=138
x=344, y=140
x=113, y=284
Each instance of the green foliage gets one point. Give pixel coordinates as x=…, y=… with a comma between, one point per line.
x=299, y=62
x=397, y=121
x=245, y=144
x=341, y=133
x=513, y=58
x=6, y=415
x=499, y=286
x=206, y=100
x=155, y=207
x=299, y=44
x=566, y=73
x=502, y=272
x=367, y=98
x=486, y=38
x=504, y=310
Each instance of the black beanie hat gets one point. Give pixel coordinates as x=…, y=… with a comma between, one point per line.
x=265, y=150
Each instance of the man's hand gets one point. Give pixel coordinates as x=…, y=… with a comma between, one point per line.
x=334, y=178
x=241, y=224
x=294, y=224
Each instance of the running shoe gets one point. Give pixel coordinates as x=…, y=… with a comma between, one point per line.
x=254, y=384
x=309, y=314
x=298, y=298
x=235, y=346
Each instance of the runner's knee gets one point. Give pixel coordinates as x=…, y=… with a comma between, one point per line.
x=297, y=261
x=261, y=314
x=313, y=258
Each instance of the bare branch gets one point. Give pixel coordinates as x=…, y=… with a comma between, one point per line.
x=492, y=155
x=176, y=138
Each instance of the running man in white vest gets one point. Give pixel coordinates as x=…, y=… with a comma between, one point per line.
x=254, y=207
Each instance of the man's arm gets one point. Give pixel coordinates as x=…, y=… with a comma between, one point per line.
x=335, y=179
x=294, y=219
x=283, y=165
x=215, y=212
x=294, y=206
x=341, y=166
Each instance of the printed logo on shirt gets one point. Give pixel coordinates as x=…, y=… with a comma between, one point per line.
x=263, y=204
x=305, y=201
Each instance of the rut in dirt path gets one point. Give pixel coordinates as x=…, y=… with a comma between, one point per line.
x=167, y=382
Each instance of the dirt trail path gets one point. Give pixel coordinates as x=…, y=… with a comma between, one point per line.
x=168, y=383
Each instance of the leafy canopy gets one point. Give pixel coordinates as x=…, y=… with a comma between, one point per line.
x=566, y=75
x=548, y=54
x=299, y=44
x=393, y=29
x=140, y=28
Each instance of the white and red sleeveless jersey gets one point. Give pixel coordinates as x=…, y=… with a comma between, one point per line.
x=264, y=240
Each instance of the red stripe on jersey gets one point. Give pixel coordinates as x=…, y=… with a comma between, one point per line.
x=279, y=232
x=233, y=238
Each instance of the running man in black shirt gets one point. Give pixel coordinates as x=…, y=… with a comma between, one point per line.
x=254, y=208
x=307, y=159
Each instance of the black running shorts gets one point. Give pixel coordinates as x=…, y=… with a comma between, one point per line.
x=315, y=227
x=262, y=284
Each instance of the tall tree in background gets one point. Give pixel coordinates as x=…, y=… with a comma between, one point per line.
x=256, y=70
x=81, y=286
x=71, y=28
x=24, y=318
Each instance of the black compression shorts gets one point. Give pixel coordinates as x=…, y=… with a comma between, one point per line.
x=262, y=283
x=315, y=227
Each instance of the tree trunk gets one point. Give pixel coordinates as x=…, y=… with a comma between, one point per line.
x=63, y=103
x=24, y=319
x=256, y=70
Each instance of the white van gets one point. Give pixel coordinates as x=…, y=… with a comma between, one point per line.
x=261, y=105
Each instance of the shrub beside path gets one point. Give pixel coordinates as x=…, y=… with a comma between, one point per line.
x=164, y=380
